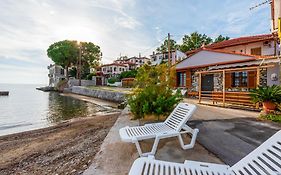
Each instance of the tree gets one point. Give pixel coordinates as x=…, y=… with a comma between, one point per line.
x=91, y=54
x=128, y=74
x=194, y=41
x=63, y=53
x=164, y=47
x=221, y=38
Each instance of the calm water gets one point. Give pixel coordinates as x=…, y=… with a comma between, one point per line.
x=27, y=108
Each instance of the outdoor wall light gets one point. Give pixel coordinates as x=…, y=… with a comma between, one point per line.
x=274, y=77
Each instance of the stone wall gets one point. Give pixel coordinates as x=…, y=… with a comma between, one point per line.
x=218, y=82
x=101, y=94
x=75, y=82
x=263, y=77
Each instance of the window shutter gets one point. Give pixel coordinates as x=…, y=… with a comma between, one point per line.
x=228, y=80
x=252, y=82
x=188, y=78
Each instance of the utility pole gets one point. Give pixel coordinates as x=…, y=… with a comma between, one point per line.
x=79, y=64
x=169, y=52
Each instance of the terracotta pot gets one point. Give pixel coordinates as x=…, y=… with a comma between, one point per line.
x=268, y=105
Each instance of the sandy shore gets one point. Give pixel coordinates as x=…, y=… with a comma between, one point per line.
x=67, y=148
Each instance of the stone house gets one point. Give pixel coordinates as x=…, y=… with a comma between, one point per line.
x=225, y=72
x=56, y=74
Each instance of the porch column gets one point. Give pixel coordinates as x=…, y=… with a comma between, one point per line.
x=199, y=87
x=258, y=84
x=223, y=88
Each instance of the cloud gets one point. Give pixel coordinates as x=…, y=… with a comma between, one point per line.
x=117, y=26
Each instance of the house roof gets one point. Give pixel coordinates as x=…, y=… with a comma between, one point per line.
x=235, y=42
x=113, y=64
x=209, y=57
x=240, y=41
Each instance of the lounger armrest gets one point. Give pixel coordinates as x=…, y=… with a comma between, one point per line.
x=203, y=165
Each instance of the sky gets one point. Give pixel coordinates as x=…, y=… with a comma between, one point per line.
x=126, y=27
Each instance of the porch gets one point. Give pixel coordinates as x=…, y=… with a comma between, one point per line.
x=229, y=85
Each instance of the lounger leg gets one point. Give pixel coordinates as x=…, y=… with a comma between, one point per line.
x=153, y=150
x=192, y=142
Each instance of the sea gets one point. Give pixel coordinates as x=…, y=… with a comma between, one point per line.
x=27, y=108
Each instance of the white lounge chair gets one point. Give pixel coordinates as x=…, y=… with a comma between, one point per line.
x=173, y=126
x=264, y=160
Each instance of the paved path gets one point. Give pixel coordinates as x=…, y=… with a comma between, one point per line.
x=230, y=133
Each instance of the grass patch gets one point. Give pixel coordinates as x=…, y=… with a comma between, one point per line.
x=272, y=117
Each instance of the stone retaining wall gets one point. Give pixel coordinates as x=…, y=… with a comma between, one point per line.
x=101, y=94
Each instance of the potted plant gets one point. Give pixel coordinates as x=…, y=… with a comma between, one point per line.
x=267, y=95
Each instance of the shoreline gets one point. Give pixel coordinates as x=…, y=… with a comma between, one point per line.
x=66, y=148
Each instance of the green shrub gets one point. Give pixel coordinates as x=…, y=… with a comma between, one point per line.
x=267, y=93
x=152, y=93
x=272, y=117
x=112, y=80
x=90, y=76
x=128, y=74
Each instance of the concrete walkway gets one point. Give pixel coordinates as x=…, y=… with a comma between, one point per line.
x=116, y=157
x=230, y=134
x=226, y=134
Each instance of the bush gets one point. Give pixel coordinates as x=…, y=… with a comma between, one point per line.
x=112, y=80
x=267, y=93
x=128, y=74
x=152, y=93
x=90, y=76
x=273, y=117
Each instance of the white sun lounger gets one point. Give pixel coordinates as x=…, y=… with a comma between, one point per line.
x=173, y=126
x=264, y=160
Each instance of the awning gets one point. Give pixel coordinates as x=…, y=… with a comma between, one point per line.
x=248, y=63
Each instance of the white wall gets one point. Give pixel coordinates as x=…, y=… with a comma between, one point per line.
x=270, y=71
x=246, y=49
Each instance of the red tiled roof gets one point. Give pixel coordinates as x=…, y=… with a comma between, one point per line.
x=240, y=40
x=233, y=42
x=114, y=64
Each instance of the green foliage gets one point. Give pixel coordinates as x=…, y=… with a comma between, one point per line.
x=90, y=76
x=128, y=74
x=63, y=53
x=112, y=80
x=152, y=93
x=221, y=38
x=73, y=72
x=276, y=117
x=194, y=41
x=267, y=93
x=66, y=53
x=164, y=47
x=90, y=54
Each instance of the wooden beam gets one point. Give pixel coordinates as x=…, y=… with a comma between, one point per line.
x=234, y=69
x=258, y=84
x=223, y=88
x=199, y=87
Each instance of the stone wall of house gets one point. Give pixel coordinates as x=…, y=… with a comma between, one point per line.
x=218, y=82
x=263, y=77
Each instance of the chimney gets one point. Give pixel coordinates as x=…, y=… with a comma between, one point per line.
x=139, y=55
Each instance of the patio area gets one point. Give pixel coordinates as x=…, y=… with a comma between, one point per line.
x=238, y=132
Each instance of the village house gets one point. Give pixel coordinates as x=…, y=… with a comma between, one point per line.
x=56, y=74
x=113, y=69
x=223, y=73
x=133, y=62
x=158, y=58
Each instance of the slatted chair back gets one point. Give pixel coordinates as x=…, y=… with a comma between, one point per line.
x=180, y=116
x=265, y=160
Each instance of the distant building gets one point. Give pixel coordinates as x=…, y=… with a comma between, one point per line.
x=158, y=58
x=113, y=69
x=137, y=61
x=56, y=74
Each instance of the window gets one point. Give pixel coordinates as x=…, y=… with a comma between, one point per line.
x=240, y=79
x=182, y=79
x=256, y=51
x=120, y=69
x=115, y=69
